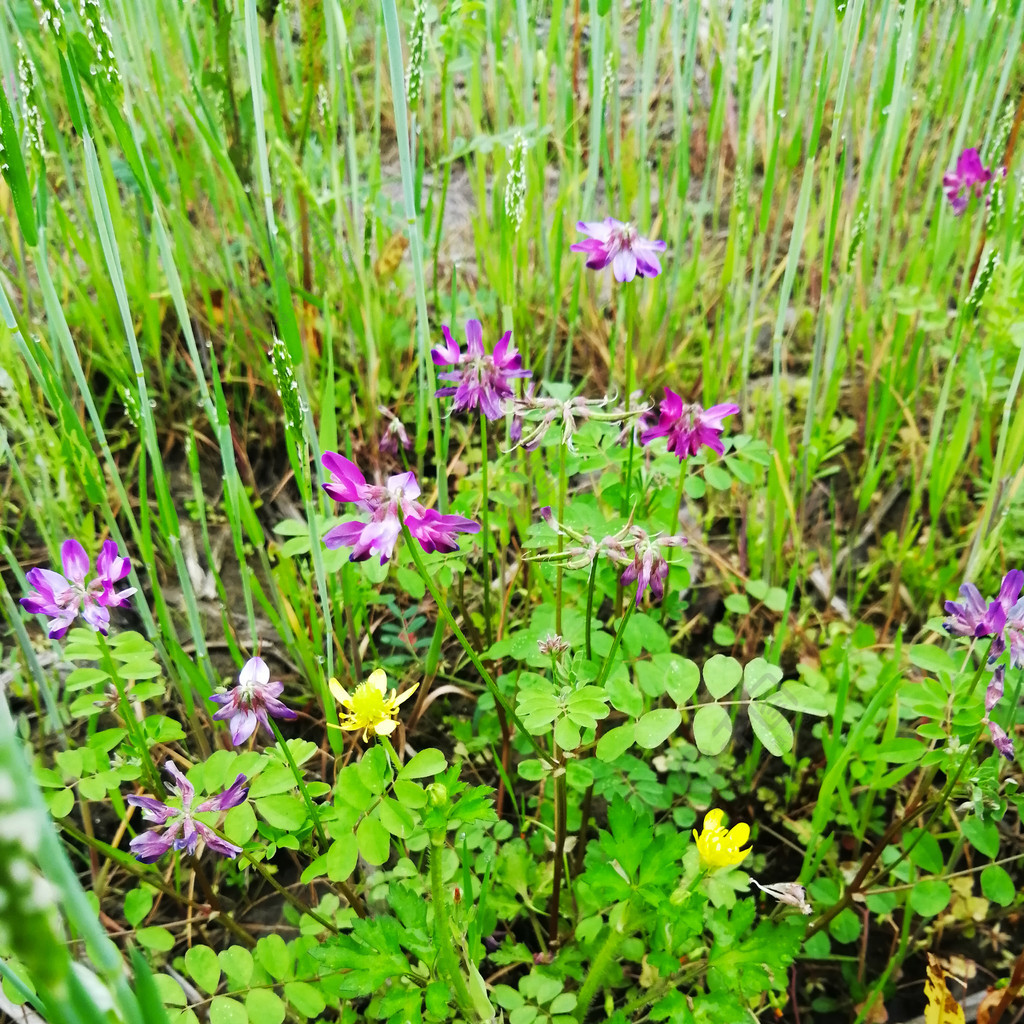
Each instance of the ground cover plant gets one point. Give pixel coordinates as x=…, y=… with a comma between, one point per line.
x=511, y=511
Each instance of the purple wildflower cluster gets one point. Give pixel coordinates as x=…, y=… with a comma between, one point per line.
x=480, y=380
x=631, y=546
x=1002, y=619
x=388, y=505
x=250, y=701
x=65, y=597
x=970, y=175
x=181, y=829
x=689, y=427
x=612, y=242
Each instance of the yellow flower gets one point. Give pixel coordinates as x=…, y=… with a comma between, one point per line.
x=718, y=847
x=371, y=706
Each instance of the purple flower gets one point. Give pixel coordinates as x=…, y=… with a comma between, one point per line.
x=481, y=381
x=970, y=174
x=250, y=701
x=65, y=597
x=649, y=567
x=688, y=427
x=994, y=690
x=1012, y=636
x=616, y=243
x=968, y=615
x=1000, y=740
x=1002, y=608
x=181, y=830
x=434, y=531
x=395, y=433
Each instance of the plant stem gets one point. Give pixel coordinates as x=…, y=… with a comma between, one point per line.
x=301, y=783
x=559, y=572
x=299, y=905
x=485, y=532
x=131, y=723
x=560, y=829
x=599, y=968
x=446, y=612
x=446, y=954
x=591, y=583
x=607, y=666
x=425, y=365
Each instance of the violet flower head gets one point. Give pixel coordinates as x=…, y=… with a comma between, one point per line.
x=250, y=701
x=395, y=434
x=630, y=254
x=1013, y=635
x=689, y=427
x=479, y=380
x=1000, y=740
x=65, y=597
x=970, y=175
x=967, y=616
x=388, y=505
x=181, y=830
x=649, y=567
x=1001, y=610
x=994, y=690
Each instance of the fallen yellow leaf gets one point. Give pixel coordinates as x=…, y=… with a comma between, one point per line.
x=942, y=1008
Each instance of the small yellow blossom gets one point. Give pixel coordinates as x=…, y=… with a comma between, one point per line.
x=370, y=707
x=719, y=847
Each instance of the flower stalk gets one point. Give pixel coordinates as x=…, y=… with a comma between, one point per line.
x=448, y=958
x=617, y=932
x=442, y=607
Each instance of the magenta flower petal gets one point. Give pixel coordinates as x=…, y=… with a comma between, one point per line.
x=347, y=483
x=231, y=797
x=152, y=810
x=75, y=561
x=149, y=847
x=612, y=241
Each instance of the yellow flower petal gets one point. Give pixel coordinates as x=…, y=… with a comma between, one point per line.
x=378, y=680
x=339, y=692
x=407, y=694
x=385, y=728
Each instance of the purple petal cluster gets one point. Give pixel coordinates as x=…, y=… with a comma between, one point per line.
x=250, y=701
x=65, y=597
x=479, y=380
x=970, y=175
x=612, y=242
x=181, y=831
x=689, y=427
x=395, y=434
x=1001, y=619
x=387, y=505
x=649, y=567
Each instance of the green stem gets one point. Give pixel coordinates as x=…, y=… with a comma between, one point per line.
x=673, y=514
x=560, y=571
x=301, y=783
x=604, y=959
x=131, y=723
x=560, y=829
x=287, y=894
x=485, y=532
x=446, y=612
x=426, y=366
x=446, y=954
x=607, y=666
x=628, y=327
x=591, y=583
